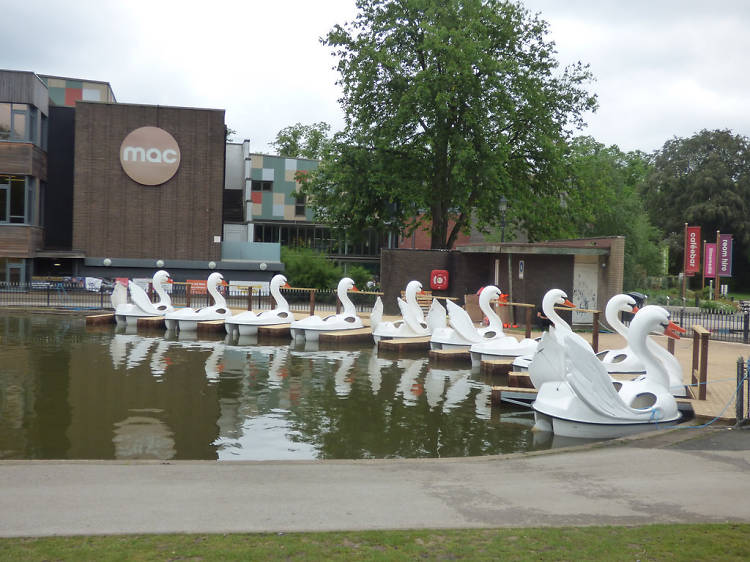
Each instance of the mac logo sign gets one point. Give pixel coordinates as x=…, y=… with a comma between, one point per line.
x=150, y=156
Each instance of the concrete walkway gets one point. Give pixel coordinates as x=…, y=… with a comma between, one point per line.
x=673, y=476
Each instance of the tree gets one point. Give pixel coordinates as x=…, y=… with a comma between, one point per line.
x=705, y=181
x=448, y=104
x=302, y=141
x=307, y=268
x=603, y=199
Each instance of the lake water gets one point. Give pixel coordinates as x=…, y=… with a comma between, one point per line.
x=72, y=392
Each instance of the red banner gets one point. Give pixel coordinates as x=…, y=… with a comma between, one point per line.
x=724, y=251
x=692, y=249
x=709, y=260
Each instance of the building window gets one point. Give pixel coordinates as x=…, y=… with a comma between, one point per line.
x=258, y=185
x=12, y=270
x=299, y=206
x=13, y=199
x=233, y=211
x=18, y=122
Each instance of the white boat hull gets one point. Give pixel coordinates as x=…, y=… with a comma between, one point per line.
x=585, y=430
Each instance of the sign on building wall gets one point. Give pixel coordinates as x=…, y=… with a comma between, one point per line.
x=150, y=155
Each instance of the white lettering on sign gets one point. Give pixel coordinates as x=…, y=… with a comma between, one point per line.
x=693, y=249
x=154, y=155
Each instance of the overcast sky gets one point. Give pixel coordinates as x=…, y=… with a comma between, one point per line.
x=663, y=68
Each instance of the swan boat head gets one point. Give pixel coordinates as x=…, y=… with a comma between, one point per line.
x=617, y=304
x=552, y=298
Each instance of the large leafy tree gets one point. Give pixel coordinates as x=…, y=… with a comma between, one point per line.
x=703, y=180
x=603, y=199
x=302, y=141
x=448, y=104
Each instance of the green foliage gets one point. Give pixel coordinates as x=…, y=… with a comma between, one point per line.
x=307, y=268
x=705, y=181
x=360, y=275
x=719, y=306
x=303, y=141
x=449, y=104
x=699, y=541
x=602, y=199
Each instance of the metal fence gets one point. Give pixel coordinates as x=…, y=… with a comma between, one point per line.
x=75, y=296
x=730, y=327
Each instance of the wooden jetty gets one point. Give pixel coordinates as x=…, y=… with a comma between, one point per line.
x=443, y=356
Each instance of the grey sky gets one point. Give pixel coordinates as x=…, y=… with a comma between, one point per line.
x=664, y=68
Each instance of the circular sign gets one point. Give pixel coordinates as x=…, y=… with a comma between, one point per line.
x=150, y=156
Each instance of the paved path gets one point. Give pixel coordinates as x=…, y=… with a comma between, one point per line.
x=688, y=475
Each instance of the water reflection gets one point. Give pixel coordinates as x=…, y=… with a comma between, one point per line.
x=142, y=436
x=71, y=392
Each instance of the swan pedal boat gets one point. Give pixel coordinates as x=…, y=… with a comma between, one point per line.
x=412, y=323
x=625, y=360
x=588, y=404
x=186, y=319
x=141, y=307
x=310, y=328
x=462, y=333
x=247, y=323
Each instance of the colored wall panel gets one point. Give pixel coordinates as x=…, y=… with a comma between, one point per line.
x=72, y=95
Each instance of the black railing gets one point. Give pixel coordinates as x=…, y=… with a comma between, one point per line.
x=724, y=326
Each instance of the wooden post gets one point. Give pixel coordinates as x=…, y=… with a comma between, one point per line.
x=595, y=332
x=312, y=302
x=250, y=298
x=150, y=291
x=670, y=345
x=338, y=305
x=528, y=322
x=699, y=374
x=187, y=295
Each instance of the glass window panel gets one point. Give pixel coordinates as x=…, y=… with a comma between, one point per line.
x=4, y=121
x=19, y=125
x=17, y=199
x=3, y=203
x=33, y=136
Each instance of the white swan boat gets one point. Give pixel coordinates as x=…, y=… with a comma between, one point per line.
x=548, y=362
x=247, y=323
x=588, y=404
x=462, y=333
x=500, y=347
x=186, y=319
x=310, y=328
x=622, y=360
x=625, y=360
x=141, y=305
x=412, y=324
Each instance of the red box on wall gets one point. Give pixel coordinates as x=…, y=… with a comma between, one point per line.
x=439, y=280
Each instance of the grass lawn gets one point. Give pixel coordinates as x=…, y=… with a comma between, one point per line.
x=651, y=542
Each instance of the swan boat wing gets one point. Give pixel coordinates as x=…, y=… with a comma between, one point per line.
x=590, y=381
x=461, y=322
